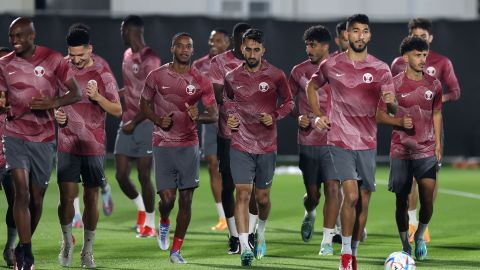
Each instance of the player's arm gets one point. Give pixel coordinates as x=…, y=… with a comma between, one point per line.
x=210, y=115
x=384, y=118
x=321, y=121
x=113, y=108
x=164, y=122
x=218, y=90
x=285, y=94
x=437, y=128
x=451, y=82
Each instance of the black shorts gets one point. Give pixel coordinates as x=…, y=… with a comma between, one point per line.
x=316, y=164
x=86, y=169
x=402, y=172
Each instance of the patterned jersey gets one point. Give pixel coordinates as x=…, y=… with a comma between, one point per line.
x=253, y=93
x=418, y=99
x=203, y=64
x=84, y=133
x=219, y=67
x=3, y=120
x=169, y=90
x=135, y=68
x=25, y=79
x=356, y=89
x=298, y=80
x=439, y=67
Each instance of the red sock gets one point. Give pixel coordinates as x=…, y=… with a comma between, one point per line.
x=177, y=244
x=165, y=222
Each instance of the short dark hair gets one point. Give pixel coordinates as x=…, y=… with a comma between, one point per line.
x=357, y=18
x=341, y=26
x=78, y=35
x=317, y=33
x=5, y=49
x=180, y=34
x=223, y=31
x=240, y=28
x=411, y=43
x=421, y=23
x=254, y=34
x=133, y=20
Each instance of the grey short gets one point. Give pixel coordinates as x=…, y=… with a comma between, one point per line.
x=402, y=172
x=35, y=157
x=249, y=168
x=316, y=165
x=209, y=139
x=176, y=167
x=136, y=145
x=355, y=165
x=71, y=167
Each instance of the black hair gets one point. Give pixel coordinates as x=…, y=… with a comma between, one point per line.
x=240, y=28
x=357, y=18
x=254, y=34
x=317, y=33
x=411, y=43
x=5, y=49
x=421, y=23
x=341, y=26
x=223, y=31
x=133, y=20
x=180, y=34
x=78, y=35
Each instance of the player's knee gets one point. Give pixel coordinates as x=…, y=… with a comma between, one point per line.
x=350, y=199
x=22, y=198
x=263, y=201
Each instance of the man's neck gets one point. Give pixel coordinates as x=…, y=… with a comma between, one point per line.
x=413, y=74
x=357, y=56
x=179, y=67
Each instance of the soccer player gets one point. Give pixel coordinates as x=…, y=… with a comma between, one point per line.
x=219, y=41
x=81, y=142
x=314, y=156
x=220, y=66
x=360, y=83
x=134, y=137
x=169, y=99
x=6, y=182
x=441, y=68
x=416, y=140
x=254, y=89
x=29, y=79
x=340, y=39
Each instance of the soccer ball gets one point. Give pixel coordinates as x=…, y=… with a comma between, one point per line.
x=399, y=261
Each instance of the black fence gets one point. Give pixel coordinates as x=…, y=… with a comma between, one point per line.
x=285, y=48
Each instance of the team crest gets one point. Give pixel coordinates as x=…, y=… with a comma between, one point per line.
x=135, y=68
x=190, y=89
x=431, y=71
x=39, y=71
x=428, y=95
x=263, y=87
x=367, y=77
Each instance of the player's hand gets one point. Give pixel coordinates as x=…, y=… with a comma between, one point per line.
x=192, y=111
x=3, y=100
x=165, y=122
x=92, y=90
x=60, y=116
x=407, y=122
x=322, y=123
x=128, y=127
x=42, y=103
x=266, y=119
x=388, y=97
x=303, y=121
x=438, y=153
x=232, y=122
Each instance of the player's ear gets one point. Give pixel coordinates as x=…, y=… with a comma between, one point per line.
x=405, y=57
x=430, y=38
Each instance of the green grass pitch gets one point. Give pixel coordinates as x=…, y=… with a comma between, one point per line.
x=454, y=229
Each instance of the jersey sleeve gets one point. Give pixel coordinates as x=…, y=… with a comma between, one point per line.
x=292, y=83
x=208, y=96
x=437, y=101
x=151, y=63
x=286, y=95
x=450, y=80
x=216, y=71
x=397, y=66
x=320, y=76
x=148, y=91
x=387, y=85
x=111, y=87
x=62, y=70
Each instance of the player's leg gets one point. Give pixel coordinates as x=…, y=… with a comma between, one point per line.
x=7, y=184
x=331, y=209
x=107, y=200
x=68, y=192
x=183, y=220
x=412, y=210
x=77, y=217
x=144, y=167
x=252, y=218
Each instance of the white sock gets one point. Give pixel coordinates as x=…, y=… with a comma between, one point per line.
x=312, y=214
x=150, y=220
x=252, y=222
x=76, y=206
x=232, y=228
x=328, y=235
x=88, y=238
x=106, y=188
x=338, y=223
x=412, y=217
x=67, y=233
x=220, y=212
x=138, y=201
x=261, y=227
x=346, y=245
x=355, y=245
x=244, y=242
x=419, y=234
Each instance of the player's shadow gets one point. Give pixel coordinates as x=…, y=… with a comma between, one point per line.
x=460, y=246
x=258, y=266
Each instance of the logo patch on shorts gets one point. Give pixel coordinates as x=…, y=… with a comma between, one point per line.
x=263, y=87
x=190, y=89
x=39, y=71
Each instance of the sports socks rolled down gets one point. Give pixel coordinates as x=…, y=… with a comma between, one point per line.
x=232, y=227
x=177, y=244
x=138, y=201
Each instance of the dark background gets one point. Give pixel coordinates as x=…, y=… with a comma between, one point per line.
x=458, y=40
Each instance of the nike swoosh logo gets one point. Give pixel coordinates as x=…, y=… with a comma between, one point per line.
x=405, y=95
x=165, y=87
x=10, y=73
x=149, y=151
x=238, y=87
x=339, y=74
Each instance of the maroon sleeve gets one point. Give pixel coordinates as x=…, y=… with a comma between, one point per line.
x=3, y=83
x=208, y=96
x=320, y=76
x=437, y=101
x=397, y=66
x=62, y=70
x=111, y=87
x=286, y=95
x=148, y=91
x=450, y=81
x=293, y=83
x=151, y=63
x=387, y=85
x=216, y=74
